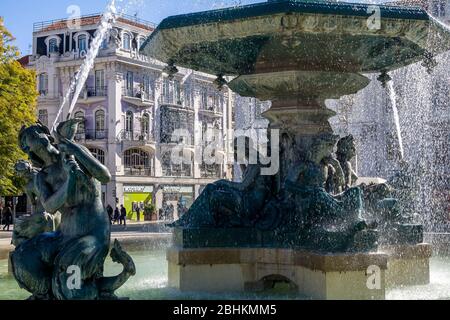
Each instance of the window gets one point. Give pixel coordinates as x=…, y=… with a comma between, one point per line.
x=53, y=46
x=99, y=154
x=82, y=43
x=129, y=124
x=172, y=120
x=204, y=98
x=126, y=41
x=100, y=121
x=146, y=125
x=81, y=126
x=138, y=162
x=130, y=83
x=135, y=158
x=43, y=117
x=43, y=84
x=141, y=42
x=166, y=91
x=100, y=90
x=104, y=45
x=147, y=88
x=170, y=169
x=177, y=92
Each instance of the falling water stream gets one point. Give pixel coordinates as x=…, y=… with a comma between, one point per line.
x=393, y=97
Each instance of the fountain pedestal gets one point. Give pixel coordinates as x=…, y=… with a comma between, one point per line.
x=408, y=265
x=315, y=275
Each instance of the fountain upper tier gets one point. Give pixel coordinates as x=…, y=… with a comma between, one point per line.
x=289, y=35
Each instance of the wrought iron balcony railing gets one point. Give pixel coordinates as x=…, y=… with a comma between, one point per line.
x=64, y=23
x=138, y=93
x=83, y=135
x=96, y=91
x=140, y=172
x=137, y=136
x=212, y=108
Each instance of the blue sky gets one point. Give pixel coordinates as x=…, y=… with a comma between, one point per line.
x=20, y=15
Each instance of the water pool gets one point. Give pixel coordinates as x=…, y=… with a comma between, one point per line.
x=150, y=283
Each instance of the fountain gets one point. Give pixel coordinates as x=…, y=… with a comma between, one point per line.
x=288, y=227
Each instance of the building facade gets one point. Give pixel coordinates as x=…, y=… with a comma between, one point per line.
x=132, y=111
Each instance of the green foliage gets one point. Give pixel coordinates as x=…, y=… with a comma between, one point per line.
x=17, y=107
x=150, y=209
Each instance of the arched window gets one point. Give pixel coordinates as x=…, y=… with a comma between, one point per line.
x=137, y=159
x=43, y=84
x=145, y=125
x=99, y=154
x=53, y=46
x=43, y=117
x=82, y=43
x=100, y=130
x=82, y=125
x=104, y=45
x=126, y=41
x=129, y=122
x=100, y=120
x=141, y=42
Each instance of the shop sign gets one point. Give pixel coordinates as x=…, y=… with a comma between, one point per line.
x=178, y=189
x=138, y=189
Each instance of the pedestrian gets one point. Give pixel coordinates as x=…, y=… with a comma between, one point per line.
x=110, y=212
x=116, y=215
x=123, y=215
x=7, y=217
x=138, y=212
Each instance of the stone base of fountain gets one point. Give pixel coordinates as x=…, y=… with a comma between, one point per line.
x=314, y=275
x=408, y=265
x=239, y=260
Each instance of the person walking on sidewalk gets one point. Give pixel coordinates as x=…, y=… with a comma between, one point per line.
x=7, y=217
x=123, y=215
x=116, y=216
x=138, y=212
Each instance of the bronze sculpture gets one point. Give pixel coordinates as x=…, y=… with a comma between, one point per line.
x=231, y=204
x=382, y=202
x=68, y=181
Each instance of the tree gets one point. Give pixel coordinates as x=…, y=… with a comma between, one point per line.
x=18, y=96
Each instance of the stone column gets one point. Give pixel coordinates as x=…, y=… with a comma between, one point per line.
x=115, y=126
x=198, y=134
x=157, y=126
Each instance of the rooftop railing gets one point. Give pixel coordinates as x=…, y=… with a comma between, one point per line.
x=58, y=24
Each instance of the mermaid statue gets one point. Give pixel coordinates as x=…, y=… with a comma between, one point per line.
x=65, y=263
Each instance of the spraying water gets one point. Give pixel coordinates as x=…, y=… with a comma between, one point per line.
x=392, y=96
x=78, y=82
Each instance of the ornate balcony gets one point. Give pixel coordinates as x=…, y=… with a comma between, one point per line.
x=139, y=171
x=138, y=97
x=93, y=94
x=137, y=138
x=91, y=135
